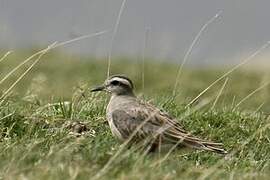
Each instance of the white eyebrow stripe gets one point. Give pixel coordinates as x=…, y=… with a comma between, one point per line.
x=122, y=80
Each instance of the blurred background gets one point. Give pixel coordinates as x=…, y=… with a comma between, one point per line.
x=158, y=31
x=242, y=27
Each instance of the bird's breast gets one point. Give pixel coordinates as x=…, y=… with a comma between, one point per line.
x=116, y=133
x=118, y=103
x=114, y=130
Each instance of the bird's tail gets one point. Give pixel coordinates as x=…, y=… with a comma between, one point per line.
x=205, y=145
x=194, y=142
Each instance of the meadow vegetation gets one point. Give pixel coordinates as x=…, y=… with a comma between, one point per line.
x=36, y=143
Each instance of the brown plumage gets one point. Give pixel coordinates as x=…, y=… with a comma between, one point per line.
x=128, y=116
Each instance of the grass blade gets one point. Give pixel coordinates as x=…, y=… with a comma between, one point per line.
x=5, y=55
x=195, y=40
x=114, y=34
x=219, y=93
x=230, y=71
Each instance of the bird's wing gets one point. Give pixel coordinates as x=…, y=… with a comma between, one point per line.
x=176, y=133
x=160, y=117
x=130, y=123
x=146, y=121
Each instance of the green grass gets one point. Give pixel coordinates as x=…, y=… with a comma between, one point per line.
x=35, y=143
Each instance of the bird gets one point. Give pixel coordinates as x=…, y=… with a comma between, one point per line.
x=131, y=118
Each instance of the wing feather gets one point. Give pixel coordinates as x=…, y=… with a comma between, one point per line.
x=152, y=123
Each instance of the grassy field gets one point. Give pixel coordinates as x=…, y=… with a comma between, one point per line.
x=36, y=141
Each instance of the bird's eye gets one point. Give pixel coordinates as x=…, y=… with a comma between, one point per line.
x=115, y=83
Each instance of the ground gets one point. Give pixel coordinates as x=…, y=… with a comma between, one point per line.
x=39, y=137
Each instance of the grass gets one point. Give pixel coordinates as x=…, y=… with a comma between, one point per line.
x=35, y=142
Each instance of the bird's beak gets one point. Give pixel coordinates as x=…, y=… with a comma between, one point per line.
x=98, y=88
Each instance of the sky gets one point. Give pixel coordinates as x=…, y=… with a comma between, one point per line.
x=160, y=29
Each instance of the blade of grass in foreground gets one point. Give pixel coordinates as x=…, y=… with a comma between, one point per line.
x=40, y=54
x=250, y=94
x=56, y=45
x=195, y=40
x=5, y=55
x=219, y=93
x=230, y=71
x=21, y=64
x=145, y=43
x=114, y=34
x=4, y=95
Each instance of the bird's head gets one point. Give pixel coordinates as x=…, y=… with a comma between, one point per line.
x=117, y=85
